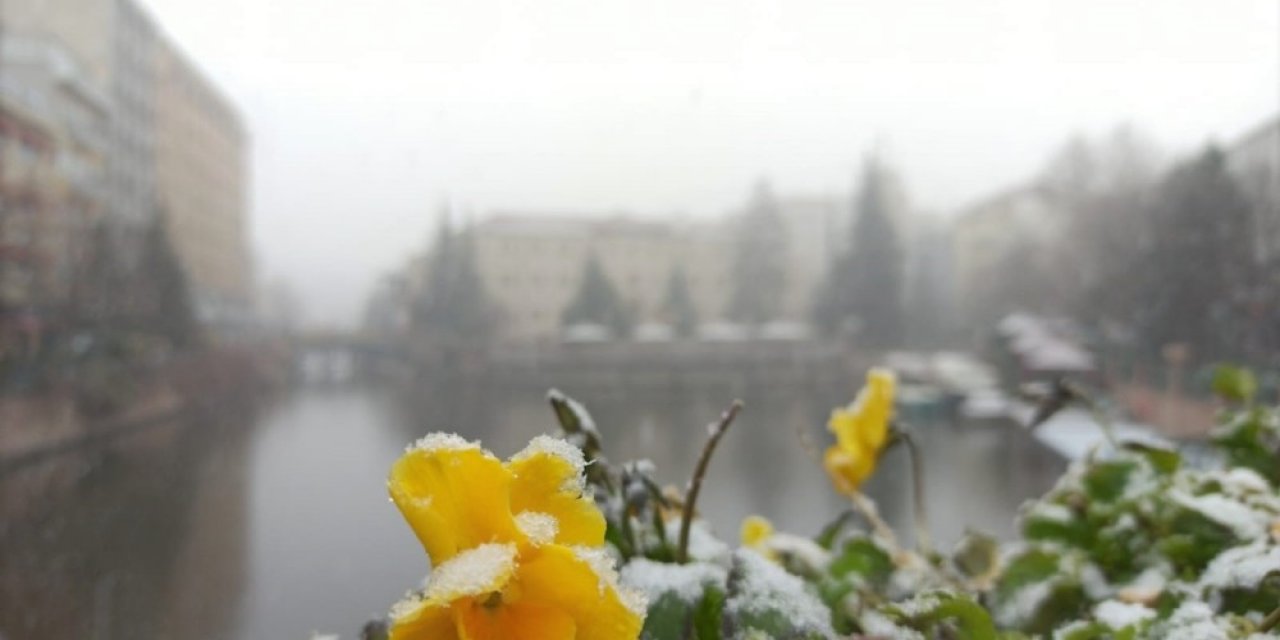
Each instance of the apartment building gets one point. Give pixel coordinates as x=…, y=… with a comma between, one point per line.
x=201, y=184
x=532, y=266
x=106, y=119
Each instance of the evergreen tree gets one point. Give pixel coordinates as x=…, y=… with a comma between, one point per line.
x=100, y=295
x=597, y=302
x=865, y=284
x=1199, y=269
x=678, y=307
x=453, y=309
x=759, y=275
x=168, y=311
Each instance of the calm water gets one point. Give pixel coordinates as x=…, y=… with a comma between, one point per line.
x=275, y=523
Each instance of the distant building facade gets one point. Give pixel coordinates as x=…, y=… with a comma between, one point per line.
x=1015, y=230
x=102, y=120
x=135, y=44
x=201, y=185
x=532, y=267
x=53, y=149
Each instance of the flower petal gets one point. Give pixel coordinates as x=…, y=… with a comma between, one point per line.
x=527, y=621
x=418, y=619
x=582, y=583
x=547, y=478
x=875, y=408
x=847, y=469
x=454, y=496
x=755, y=530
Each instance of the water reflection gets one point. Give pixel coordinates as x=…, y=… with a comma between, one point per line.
x=275, y=524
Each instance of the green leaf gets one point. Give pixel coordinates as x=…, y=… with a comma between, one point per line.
x=1105, y=481
x=976, y=555
x=707, y=616
x=1075, y=532
x=1089, y=631
x=1234, y=383
x=945, y=614
x=827, y=538
x=666, y=618
x=860, y=556
x=1028, y=567
x=1165, y=461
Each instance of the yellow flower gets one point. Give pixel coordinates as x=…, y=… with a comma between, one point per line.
x=756, y=532
x=861, y=430
x=515, y=546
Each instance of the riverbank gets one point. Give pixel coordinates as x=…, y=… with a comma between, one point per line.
x=55, y=421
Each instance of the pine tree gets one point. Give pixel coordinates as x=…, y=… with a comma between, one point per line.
x=865, y=284
x=759, y=275
x=678, y=307
x=1199, y=268
x=453, y=309
x=597, y=302
x=169, y=310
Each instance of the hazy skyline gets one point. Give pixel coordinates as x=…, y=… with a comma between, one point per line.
x=366, y=116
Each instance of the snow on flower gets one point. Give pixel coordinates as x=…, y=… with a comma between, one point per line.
x=514, y=546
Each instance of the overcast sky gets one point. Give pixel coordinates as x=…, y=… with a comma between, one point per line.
x=366, y=115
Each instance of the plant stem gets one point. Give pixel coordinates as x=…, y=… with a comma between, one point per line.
x=716, y=430
x=1268, y=623
x=1108, y=430
x=867, y=508
x=923, y=540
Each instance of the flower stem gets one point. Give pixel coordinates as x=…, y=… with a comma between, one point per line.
x=1268, y=623
x=867, y=508
x=923, y=540
x=716, y=430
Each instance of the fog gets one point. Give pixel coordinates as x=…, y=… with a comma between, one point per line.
x=366, y=117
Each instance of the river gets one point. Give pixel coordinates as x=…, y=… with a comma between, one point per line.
x=273, y=522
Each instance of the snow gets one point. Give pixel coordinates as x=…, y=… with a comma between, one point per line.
x=985, y=404
x=878, y=625
x=1242, y=480
x=703, y=545
x=602, y=563
x=441, y=441
x=585, y=421
x=1024, y=604
x=540, y=528
x=1145, y=588
x=483, y=569
x=1067, y=630
x=1117, y=615
x=686, y=581
x=804, y=550
x=1050, y=511
x=1074, y=432
x=1193, y=620
x=547, y=445
x=1244, y=522
x=767, y=587
x=1242, y=567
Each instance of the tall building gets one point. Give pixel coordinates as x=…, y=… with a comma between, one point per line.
x=53, y=149
x=134, y=48
x=102, y=118
x=200, y=185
